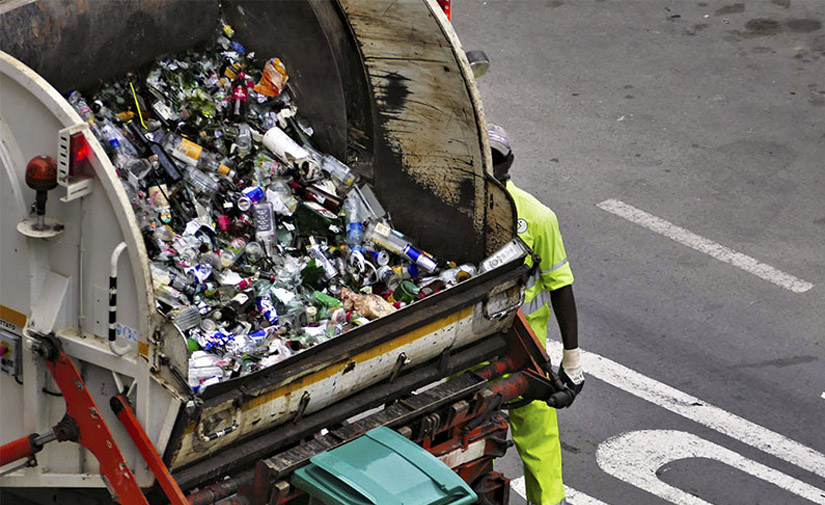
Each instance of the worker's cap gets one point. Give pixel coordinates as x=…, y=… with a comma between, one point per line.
x=499, y=140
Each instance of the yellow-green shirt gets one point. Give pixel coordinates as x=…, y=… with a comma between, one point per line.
x=538, y=227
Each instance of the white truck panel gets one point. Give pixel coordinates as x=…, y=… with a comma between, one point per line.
x=61, y=284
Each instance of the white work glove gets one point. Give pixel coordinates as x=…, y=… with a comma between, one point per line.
x=570, y=370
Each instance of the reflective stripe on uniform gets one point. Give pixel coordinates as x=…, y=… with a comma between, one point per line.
x=536, y=303
x=555, y=267
x=531, y=281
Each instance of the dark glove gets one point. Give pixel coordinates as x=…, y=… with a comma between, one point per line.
x=575, y=388
x=573, y=377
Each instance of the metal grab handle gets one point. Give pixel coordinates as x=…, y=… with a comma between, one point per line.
x=208, y=437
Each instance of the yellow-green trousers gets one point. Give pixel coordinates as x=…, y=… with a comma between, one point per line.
x=535, y=432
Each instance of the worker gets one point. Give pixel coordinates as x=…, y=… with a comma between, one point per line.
x=534, y=427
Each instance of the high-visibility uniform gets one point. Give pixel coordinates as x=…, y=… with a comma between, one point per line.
x=534, y=427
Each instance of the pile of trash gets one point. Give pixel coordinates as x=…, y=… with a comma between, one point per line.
x=260, y=245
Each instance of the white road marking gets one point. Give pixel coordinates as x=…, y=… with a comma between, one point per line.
x=718, y=251
x=573, y=497
x=635, y=457
x=696, y=410
x=823, y=396
x=519, y=487
x=578, y=498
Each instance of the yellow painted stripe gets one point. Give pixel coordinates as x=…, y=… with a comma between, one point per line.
x=10, y=315
x=334, y=369
x=358, y=358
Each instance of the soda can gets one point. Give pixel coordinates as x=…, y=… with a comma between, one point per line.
x=237, y=244
x=200, y=272
x=244, y=203
x=254, y=193
x=423, y=261
x=380, y=258
x=338, y=316
x=267, y=309
x=388, y=276
x=409, y=271
x=258, y=337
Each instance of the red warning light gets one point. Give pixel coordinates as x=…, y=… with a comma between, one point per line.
x=79, y=154
x=447, y=7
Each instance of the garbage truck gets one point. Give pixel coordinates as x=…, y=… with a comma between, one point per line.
x=96, y=404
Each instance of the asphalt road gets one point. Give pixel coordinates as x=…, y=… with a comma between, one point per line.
x=682, y=145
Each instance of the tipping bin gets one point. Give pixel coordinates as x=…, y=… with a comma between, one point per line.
x=382, y=467
x=383, y=83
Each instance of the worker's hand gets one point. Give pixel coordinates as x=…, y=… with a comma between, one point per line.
x=570, y=370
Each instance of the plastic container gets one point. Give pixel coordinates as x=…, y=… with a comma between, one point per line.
x=381, y=468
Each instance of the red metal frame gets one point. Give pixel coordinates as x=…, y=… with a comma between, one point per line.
x=84, y=424
x=120, y=405
x=92, y=432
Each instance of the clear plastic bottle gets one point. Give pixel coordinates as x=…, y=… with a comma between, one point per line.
x=79, y=103
x=201, y=183
x=120, y=159
x=109, y=131
x=171, y=277
x=340, y=173
x=378, y=232
x=511, y=251
x=254, y=251
x=230, y=254
x=194, y=155
x=354, y=217
x=243, y=141
x=280, y=196
x=127, y=163
x=330, y=271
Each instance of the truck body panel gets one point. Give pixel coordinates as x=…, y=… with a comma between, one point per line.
x=384, y=84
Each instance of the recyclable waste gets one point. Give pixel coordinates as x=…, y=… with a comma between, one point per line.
x=260, y=245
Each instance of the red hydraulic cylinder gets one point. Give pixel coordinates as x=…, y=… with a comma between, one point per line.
x=127, y=417
x=19, y=449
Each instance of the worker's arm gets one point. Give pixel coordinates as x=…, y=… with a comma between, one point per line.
x=557, y=278
x=564, y=307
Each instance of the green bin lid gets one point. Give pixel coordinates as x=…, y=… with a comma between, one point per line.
x=381, y=468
